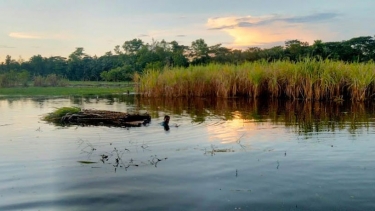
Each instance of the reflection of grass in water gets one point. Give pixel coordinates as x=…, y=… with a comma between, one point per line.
x=303, y=117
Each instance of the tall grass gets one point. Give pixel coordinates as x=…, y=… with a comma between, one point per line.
x=309, y=79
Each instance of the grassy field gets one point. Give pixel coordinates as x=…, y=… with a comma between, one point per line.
x=74, y=88
x=309, y=79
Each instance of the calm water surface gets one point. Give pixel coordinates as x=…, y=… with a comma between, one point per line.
x=234, y=154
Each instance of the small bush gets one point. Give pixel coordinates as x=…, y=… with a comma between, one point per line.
x=50, y=80
x=13, y=78
x=38, y=81
x=123, y=73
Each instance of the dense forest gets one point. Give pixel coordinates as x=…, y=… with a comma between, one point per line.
x=136, y=56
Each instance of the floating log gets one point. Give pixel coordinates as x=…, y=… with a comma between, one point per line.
x=98, y=117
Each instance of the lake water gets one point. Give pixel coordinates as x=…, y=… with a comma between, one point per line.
x=225, y=154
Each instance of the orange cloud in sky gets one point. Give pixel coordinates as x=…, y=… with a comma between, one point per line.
x=266, y=30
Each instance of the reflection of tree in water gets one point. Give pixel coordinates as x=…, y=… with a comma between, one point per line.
x=303, y=116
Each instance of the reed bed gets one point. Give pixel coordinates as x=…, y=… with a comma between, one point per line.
x=309, y=79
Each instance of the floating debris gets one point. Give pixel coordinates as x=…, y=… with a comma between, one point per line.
x=214, y=150
x=77, y=116
x=86, y=162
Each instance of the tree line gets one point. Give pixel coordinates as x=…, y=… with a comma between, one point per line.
x=136, y=55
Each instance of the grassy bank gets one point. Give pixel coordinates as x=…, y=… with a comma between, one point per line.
x=100, y=84
x=74, y=88
x=309, y=79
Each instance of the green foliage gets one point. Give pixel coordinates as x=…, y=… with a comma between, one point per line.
x=56, y=115
x=199, y=52
x=50, y=80
x=155, y=65
x=14, y=78
x=132, y=46
x=123, y=73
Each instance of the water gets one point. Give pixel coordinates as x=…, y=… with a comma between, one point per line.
x=234, y=154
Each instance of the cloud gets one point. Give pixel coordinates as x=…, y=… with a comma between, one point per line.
x=20, y=35
x=181, y=35
x=38, y=36
x=143, y=35
x=318, y=17
x=6, y=46
x=266, y=30
x=249, y=21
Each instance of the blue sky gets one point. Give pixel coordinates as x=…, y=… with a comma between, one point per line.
x=57, y=27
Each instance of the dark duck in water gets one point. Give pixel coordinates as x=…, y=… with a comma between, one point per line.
x=165, y=123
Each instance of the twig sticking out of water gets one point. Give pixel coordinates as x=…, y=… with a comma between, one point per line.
x=144, y=147
x=117, y=156
x=104, y=158
x=212, y=151
x=155, y=160
x=88, y=145
x=239, y=142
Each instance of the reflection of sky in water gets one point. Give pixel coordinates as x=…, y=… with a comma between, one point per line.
x=242, y=130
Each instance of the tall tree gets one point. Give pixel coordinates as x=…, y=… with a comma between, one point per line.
x=295, y=49
x=132, y=46
x=76, y=70
x=178, y=57
x=199, y=52
x=219, y=54
x=38, y=66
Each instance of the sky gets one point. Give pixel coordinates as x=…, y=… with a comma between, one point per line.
x=58, y=27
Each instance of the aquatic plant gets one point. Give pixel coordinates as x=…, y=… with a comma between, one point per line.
x=60, y=112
